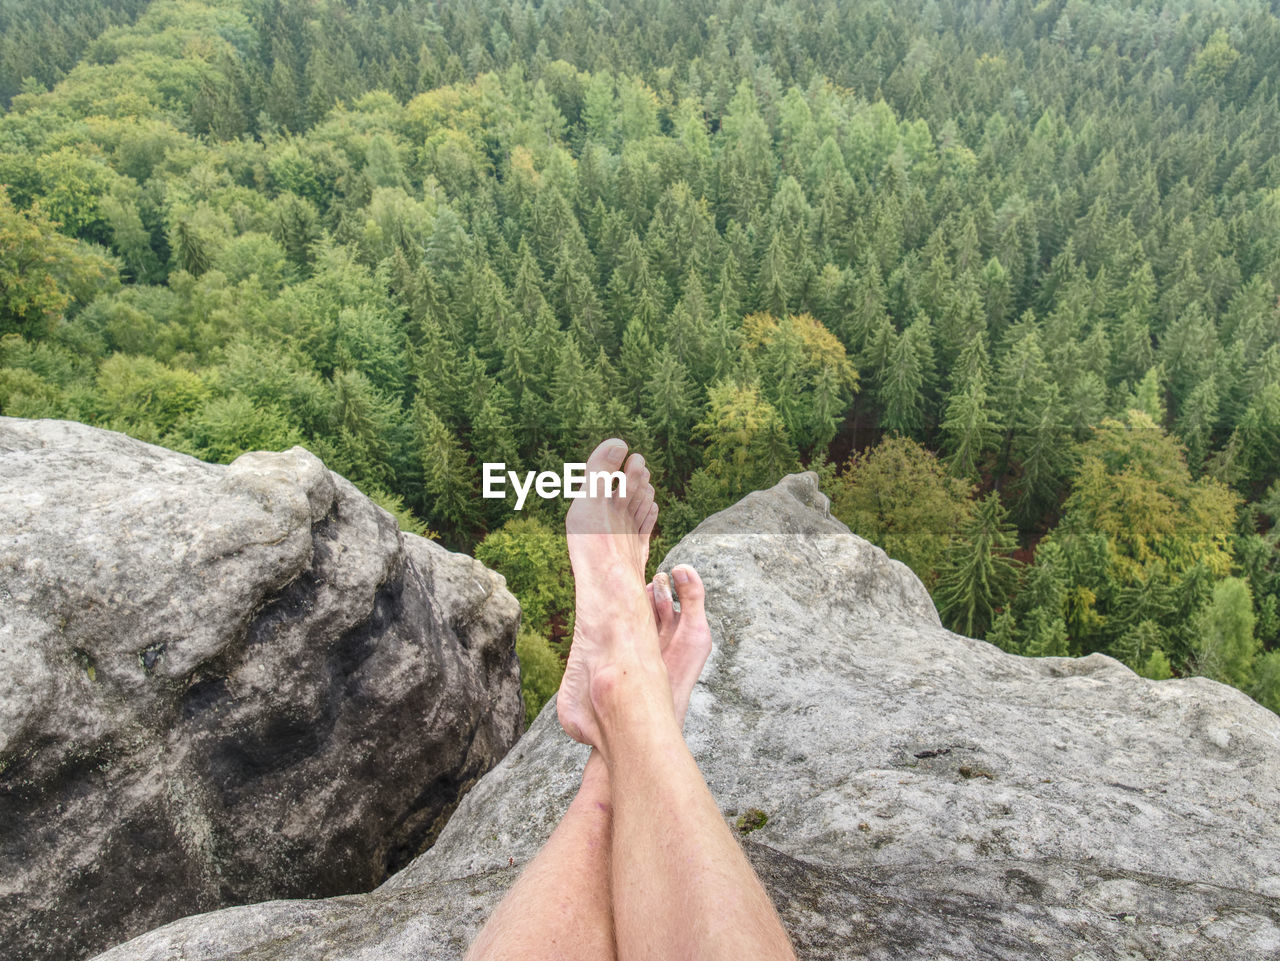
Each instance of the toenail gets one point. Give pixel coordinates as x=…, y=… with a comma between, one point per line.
x=681, y=575
x=615, y=452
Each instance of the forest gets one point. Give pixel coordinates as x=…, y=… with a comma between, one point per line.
x=1004, y=273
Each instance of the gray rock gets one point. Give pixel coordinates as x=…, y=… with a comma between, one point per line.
x=220, y=685
x=927, y=796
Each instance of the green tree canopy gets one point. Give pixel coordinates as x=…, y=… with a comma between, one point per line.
x=900, y=497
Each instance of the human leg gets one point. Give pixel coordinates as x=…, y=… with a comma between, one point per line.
x=560, y=906
x=683, y=636
x=681, y=886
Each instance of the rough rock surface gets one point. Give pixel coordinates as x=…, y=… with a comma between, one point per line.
x=928, y=796
x=220, y=685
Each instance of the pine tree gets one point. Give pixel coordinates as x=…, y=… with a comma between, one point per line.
x=864, y=307
x=978, y=576
x=1149, y=396
x=970, y=427
x=899, y=387
x=493, y=436
x=774, y=283
x=574, y=389
x=1227, y=647
x=189, y=248
x=1199, y=417
x=447, y=476
x=635, y=361
x=527, y=295
x=1086, y=404
x=1043, y=454
x=827, y=407
x=1138, y=646
x=1003, y=632
x=1042, y=630
x=723, y=357
x=668, y=410
x=365, y=424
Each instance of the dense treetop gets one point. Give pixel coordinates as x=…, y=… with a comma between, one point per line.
x=1005, y=273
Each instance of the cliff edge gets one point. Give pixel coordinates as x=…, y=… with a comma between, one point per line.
x=924, y=795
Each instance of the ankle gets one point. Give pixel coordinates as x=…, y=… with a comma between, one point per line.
x=631, y=691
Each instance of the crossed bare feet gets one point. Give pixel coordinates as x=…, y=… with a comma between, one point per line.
x=625, y=632
x=685, y=889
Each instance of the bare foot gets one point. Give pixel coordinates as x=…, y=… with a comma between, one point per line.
x=614, y=629
x=683, y=635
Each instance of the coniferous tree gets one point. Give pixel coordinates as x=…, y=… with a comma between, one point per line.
x=668, y=405
x=603, y=211
x=900, y=384
x=978, y=576
x=970, y=427
x=1042, y=625
x=448, y=483
x=1226, y=647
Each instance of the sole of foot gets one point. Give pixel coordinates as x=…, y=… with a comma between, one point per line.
x=614, y=626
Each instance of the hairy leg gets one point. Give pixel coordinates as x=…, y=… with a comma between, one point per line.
x=681, y=885
x=560, y=906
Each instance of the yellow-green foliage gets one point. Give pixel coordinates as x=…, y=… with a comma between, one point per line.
x=535, y=561
x=899, y=496
x=1227, y=648
x=1133, y=485
x=748, y=448
x=24, y=393
x=1266, y=684
x=42, y=271
x=146, y=397
x=227, y=427
x=1157, y=667
x=805, y=373
x=540, y=672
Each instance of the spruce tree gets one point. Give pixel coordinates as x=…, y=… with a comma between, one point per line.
x=978, y=576
x=448, y=482
x=899, y=388
x=970, y=428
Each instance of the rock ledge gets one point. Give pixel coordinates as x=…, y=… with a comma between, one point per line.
x=927, y=796
x=220, y=685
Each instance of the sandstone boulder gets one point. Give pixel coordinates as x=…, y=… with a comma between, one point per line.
x=220, y=685
x=924, y=795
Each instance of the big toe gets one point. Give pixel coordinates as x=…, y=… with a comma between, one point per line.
x=691, y=593
x=608, y=455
